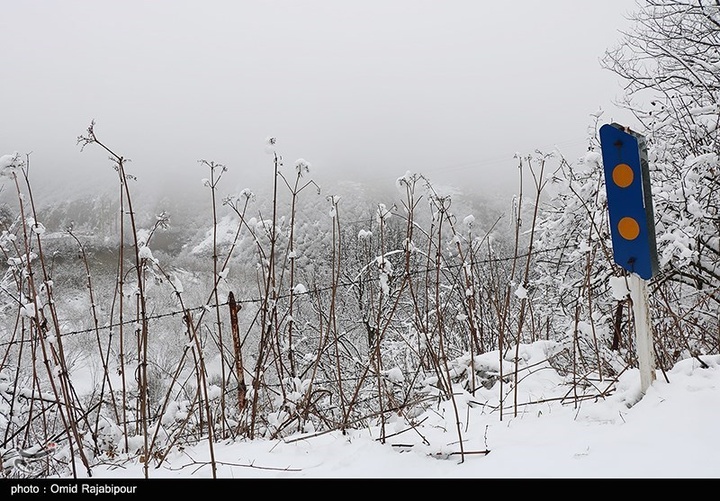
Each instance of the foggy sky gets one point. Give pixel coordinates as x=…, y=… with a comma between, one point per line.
x=363, y=90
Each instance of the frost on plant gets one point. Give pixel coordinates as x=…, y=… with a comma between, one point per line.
x=302, y=167
x=270, y=143
x=10, y=164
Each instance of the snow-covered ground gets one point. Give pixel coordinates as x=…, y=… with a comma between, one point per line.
x=670, y=432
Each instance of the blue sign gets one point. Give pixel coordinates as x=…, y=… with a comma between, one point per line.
x=627, y=180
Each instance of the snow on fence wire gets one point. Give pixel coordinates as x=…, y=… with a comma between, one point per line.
x=316, y=290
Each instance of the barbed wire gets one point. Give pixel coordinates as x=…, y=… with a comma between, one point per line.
x=345, y=283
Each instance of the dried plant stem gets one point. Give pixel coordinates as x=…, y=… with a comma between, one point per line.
x=104, y=355
x=57, y=370
x=141, y=305
x=213, y=182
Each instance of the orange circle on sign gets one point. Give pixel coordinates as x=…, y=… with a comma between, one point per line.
x=623, y=175
x=628, y=228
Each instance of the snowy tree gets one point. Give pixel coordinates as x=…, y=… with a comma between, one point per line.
x=574, y=264
x=670, y=62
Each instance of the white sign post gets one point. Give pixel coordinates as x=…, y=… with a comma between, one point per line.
x=643, y=330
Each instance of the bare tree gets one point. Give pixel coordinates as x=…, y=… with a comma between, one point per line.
x=670, y=62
